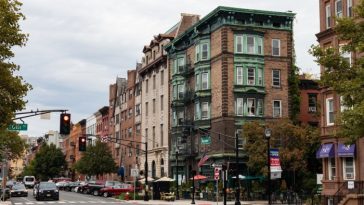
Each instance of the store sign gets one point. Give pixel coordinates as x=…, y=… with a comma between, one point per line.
x=275, y=164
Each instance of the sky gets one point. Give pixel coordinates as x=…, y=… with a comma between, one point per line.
x=76, y=49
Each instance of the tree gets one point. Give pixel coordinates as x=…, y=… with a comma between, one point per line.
x=11, y=140
x=48, y=162
x=12, y=88
x=96, y=160
x=297, y=147
x=346, y=76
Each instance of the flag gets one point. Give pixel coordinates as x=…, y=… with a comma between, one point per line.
x=203, y=159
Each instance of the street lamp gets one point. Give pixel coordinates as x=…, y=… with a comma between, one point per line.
x=193, y=186
x=268, y=133
x=146, y=196
x=177, y=193
x=237, y=186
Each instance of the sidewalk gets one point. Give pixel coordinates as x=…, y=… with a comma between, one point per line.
x=197, y=202
x=5, y=202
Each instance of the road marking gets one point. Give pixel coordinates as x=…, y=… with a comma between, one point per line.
x=29, y=203
x=93, y=202
x=72, y=202
x=18, y=203
x=40, y=202
x=62, y=202
x=51, y=202
x=82, y=202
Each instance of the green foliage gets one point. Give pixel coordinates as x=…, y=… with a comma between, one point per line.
x=131, y=196
x=294, y=93
x=345, y=78
x=12, y=141
x=297, y=146
x=29, y=170
x=96, y=160
x=49, y=161
x=12, y=88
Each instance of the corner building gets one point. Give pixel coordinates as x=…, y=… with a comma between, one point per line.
x=229, y=68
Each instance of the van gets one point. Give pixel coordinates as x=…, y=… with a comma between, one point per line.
x=29, y=181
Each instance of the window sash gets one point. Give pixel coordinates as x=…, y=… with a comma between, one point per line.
x=276, y=77
x=339, y=8
x=251, y=106
x=197, y=53
x=205, y=52
x=239, y=75
x=260, y=77
x=181, y=65
x=181, y=117
x=349, y=8
x=251, y=76
x=329, y=111
x=260, y=107
x=174, y=118
x=239, y=106
x=197, y=111
x=197, y=82
x=239, y=44
x=276, y=47
x=332, y=168
x=260, y=45
x=328, y=16
x=204, y=110
x=205, y=81
x=162, y=77
x=277, y=111
x=349, y=168
x=162, y=97
x=250, y=44
x=181, y=91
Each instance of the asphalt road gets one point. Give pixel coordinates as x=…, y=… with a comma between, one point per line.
x=65, y=198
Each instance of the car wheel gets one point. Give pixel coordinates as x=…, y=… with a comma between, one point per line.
x=96, y=193
x=84, y=191
x=106, y=194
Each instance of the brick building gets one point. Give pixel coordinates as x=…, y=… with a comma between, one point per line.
x=229, y=68
x=309, y=94
x=341, y=163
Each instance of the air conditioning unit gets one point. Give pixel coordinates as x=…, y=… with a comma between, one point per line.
x=349, y=175
x=312, y=109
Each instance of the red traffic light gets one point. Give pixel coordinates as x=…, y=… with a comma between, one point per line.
x=65, y=124
x=66, y=117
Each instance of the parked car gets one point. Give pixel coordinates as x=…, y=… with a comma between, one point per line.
x=94, y=188
x=70, y=186
x=46, y=190
x=7, y=193
x=61, y=184
x=19, y=189
x=116, y=190
x=29, y=181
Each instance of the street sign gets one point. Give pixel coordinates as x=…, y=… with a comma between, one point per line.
x=18, y=127
x=134, y=172
x=206, y=139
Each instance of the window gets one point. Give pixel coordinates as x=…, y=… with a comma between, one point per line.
x=197, y=53
x=197, y=82
x=130, y=94
x=137, y=128
x=250, y=44
x=276, y=78
x=205, y=81
x=251, y=76
x=260, y=77
x=153, y=135
x=130, y=112
x=205, y=110
x=350, y=8
x=205, y=51
x=238, y=133
x=239, y=75
x=174, y=92
x=117, y=136
x=349, y=170
x=181, y=65
x=276, y=47
x=161, y=102
x=260, y=107
x=117, y=119
x=181, y=91
x=137, y=151
x=153, y=82
x=162, y=77
x=346, y=55
x=339, y=8
x=332, y=168
x=130, y=131
x=137, y=109
x=161, y=137
x=328, y=16
x=146, y=109
x=251, y=106
x=239, y=106
x=260, y=45
x=197, y=111
x=312, y=102
x=329, y=111
x=153, y=106
x=174, y=118
x=277, y=111
x=239, y=44
x=146, y=86
x=180, y=118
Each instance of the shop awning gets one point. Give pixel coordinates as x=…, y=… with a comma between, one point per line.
x=346, y=150
x=326, y=151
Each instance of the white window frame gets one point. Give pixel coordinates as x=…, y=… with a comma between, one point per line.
x=174, y=118
x=197, y=52
x=260, y=77
x=279, y=47
x=248, y=47
x=239, y=77
x=180, y=64
x=181, y=91
x=349, y=10
x=248, y=76
x=197, y=82
x=331, y=168
x=345, y=167
x=260, y=107
x=328, y=111
x=260, y=46
x=197, y=111
x=202, y=51
x=280, y=109
x=204, y=81
x=239, y=107
x=328, y=16
x=251, y=107
x=274, y=79
x=205, y=105
x=338, y=13
x=239, y=41
x=175, y=92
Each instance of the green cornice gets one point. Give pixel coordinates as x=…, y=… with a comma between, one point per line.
x=230, y=11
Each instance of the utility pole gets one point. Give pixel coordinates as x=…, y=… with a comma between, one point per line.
x=237, y=186
x=177, y=192
x=146, y=197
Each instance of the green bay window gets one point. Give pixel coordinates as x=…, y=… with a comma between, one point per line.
x=181, y=91
x=202, y=50
x=181, y=64
x=239, y=75
x=202, y=78
x=248, y=44
x=205, y=81
x=249, y=106
x=202, y=110
x=251, y=76
x=239, y=111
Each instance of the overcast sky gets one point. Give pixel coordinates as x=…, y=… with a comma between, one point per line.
x=76, y=49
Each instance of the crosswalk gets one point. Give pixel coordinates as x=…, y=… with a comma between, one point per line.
x=65, y=202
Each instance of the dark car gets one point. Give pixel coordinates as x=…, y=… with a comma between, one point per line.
x=19, y=190
x=7, y=193
x=46, y=190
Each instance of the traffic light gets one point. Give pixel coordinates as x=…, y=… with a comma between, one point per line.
x=82, y=144
x=65, y=124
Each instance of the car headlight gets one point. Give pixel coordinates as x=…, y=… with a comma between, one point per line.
x=56, y=190
x=12, y=191
x=40, y=191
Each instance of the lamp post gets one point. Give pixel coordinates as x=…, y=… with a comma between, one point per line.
x=193, y=186
x=177, y=193
x=237, y=186
x=146, y=197
x=268, y=133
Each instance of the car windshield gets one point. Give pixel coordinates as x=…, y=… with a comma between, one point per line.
x=47, y=185
x=18, y=186
x=29, y=179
